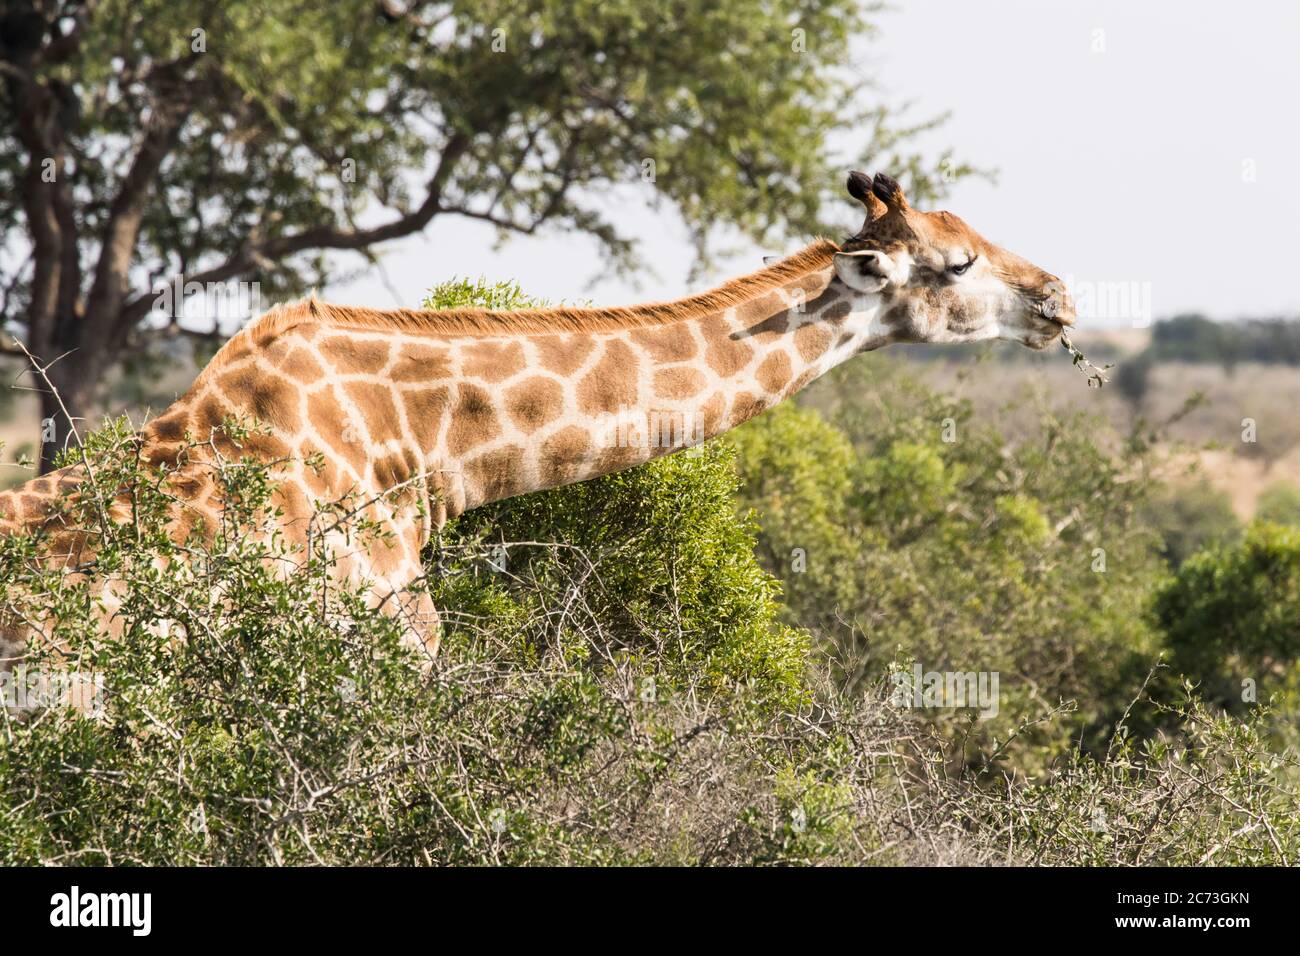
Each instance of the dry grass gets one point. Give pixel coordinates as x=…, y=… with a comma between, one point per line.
x=1206, y=440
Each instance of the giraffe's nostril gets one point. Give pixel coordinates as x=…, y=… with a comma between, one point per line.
x=1053, y=300
x=1065, y=315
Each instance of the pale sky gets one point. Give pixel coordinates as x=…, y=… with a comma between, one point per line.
x=1144, y=148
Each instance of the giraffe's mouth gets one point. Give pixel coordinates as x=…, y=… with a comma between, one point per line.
x=1046, y=329
x=1053, y=313
x=1048, y=323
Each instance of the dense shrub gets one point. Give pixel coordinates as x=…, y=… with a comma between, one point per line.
x=1232, y=616
x=1212, y=792
x=1279, y=504
x=932, y=538
x=1189, y=516
x=1133, y=379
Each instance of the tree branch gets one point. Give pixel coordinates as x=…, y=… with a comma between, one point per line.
x=567, y=168
x=320, y=237
x=499, y=221
x=171, y=106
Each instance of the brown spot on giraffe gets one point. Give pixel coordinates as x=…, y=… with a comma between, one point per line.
x=612, y=456
x=357, y=356
x=775, y=372
x=814, y=286
x=812, y=340
x=764, y=317
x=768, y=331
x=612, y=384
x=239, y=349
x=803, y=381
x=711, y=413
x=322, y=483
x=563, y=454
x=331, y=427
x=665, y=345
x=563, y=354
x=294, y=503
x=726, y=353
x=209, y=415
x=744, y=407
x=534, y=402
x=496, y=474
x=386, y=557
x=678, y=382
x=265, y=396
x=425, y=409
x=473, y=421
x=267, y=447
x=302, y=366
x=421, y=363
x=836, y=313
x=169, y=427
x=394, y=469
x=493, y=361
x=188, y=486
x=379, y=412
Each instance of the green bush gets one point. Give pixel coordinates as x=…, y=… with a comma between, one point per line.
x=1194, y=338
x=1232, y=617
x=1191, y=516
x=931, y=538
x=1279, y=504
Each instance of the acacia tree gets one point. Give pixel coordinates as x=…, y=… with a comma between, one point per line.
x=145, y=140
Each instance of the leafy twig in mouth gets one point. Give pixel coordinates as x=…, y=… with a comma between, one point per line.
x=1096, y=376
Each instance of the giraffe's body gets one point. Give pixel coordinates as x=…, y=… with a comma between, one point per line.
x=424, y=415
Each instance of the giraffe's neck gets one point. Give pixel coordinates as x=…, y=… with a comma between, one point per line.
x=594, y=403
x=485, y=415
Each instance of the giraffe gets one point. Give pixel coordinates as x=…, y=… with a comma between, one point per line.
x=423, y=415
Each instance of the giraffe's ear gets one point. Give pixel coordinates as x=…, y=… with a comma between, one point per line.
x=865, y=271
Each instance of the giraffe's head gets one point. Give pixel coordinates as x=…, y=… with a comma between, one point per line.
x=941, y=281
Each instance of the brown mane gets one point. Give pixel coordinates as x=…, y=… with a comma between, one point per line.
x=483, y=322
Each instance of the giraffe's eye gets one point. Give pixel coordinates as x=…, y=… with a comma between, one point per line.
x=961, y=268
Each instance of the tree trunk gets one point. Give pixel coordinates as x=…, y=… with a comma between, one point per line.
x=74, y=379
